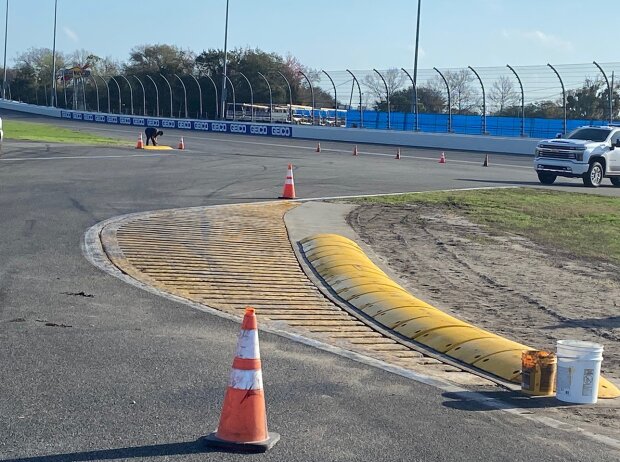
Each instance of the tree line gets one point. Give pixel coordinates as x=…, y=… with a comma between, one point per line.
x=156, y=67
x=29, y=80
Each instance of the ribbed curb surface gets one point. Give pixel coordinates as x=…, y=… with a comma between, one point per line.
x=229, y=257
x=356, y=279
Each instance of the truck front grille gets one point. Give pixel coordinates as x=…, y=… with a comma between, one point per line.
x=556, y=152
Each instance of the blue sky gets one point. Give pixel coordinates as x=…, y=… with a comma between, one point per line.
x=330, y=34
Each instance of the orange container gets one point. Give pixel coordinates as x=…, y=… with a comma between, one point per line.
x=538, y=370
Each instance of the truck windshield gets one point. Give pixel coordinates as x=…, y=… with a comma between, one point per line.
x=590, y=134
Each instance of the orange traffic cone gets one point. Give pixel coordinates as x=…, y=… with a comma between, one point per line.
x=397, y=154
x=486, y=161
x=442, y=158
x=289, y=185
x=181, y=144
x=355, y=150
x=140, y=144
x=243, y=422
x=318, y=147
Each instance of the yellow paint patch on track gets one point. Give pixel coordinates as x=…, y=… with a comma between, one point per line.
x=345, y=267
x=229, y=257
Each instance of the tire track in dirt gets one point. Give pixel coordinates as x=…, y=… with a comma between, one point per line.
x=501, y=282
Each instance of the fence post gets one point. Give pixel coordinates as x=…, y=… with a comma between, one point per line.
x=449, y=100
x=96, y=90
x=120, y=102
x=199, y=94
x=359, y=89
x=130, y=92
x=522, y=99
x=610, y=92
x=184, y=93
x=335, y=99
x=270, y=97
x=251, y=96
x=107, y=86
x=414, y=99
x=156, y=94
x=563, y=94
x=311, y=94
x=83, y=92
x=484, y=102
x=217, y=101
x=387, y=92
x=169, y=88
x=290, y=98
x=143, y=95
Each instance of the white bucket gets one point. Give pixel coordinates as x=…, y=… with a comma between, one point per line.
x=579, y=369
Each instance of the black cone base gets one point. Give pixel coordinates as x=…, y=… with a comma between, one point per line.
x=213, y=441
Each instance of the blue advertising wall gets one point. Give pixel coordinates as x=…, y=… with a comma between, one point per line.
x=467, y=124
x=240, y=128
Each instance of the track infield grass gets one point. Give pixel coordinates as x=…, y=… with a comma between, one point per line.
x=585, y=225
x=34, y=131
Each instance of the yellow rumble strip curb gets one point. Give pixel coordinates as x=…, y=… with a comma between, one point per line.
x=355, y=278
x=157, y=148
x=232, y=256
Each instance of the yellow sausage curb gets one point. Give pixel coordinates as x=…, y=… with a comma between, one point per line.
x=344, y=266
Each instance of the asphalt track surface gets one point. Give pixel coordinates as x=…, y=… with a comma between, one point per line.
x=96, y=369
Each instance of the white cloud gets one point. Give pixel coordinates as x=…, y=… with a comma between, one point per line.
x=539, y=38
x=548, y=40
x=72, y=35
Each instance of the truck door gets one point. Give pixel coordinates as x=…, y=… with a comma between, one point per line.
x=614, y=154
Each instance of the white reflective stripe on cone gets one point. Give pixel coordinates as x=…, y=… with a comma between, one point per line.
x=247, y=346
x=246, y=380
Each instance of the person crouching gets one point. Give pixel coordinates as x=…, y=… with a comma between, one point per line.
x=152, y=134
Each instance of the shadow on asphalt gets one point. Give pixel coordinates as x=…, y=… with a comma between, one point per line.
x=487, y=400
x=154, y=450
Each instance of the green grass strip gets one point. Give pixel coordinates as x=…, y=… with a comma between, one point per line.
x=35, y=131
x=585, y=225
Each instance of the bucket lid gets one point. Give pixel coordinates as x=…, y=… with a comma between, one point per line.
x=580, y=344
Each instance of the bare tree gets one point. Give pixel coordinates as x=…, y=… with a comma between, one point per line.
x=78, y=57
x=503, y=94
x=464, y=97
x=394, y=78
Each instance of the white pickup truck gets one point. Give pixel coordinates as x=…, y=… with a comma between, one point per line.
x=591, y=153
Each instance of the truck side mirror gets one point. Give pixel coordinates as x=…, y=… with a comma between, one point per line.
x=558, y=135
x=617, y=143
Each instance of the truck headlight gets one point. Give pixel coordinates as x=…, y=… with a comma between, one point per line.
x=579, y=156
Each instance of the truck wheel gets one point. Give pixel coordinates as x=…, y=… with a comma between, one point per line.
x=615, y=180
x=594, y=176
x=546, y=177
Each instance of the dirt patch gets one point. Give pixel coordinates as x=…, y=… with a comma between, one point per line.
x=498, y=281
